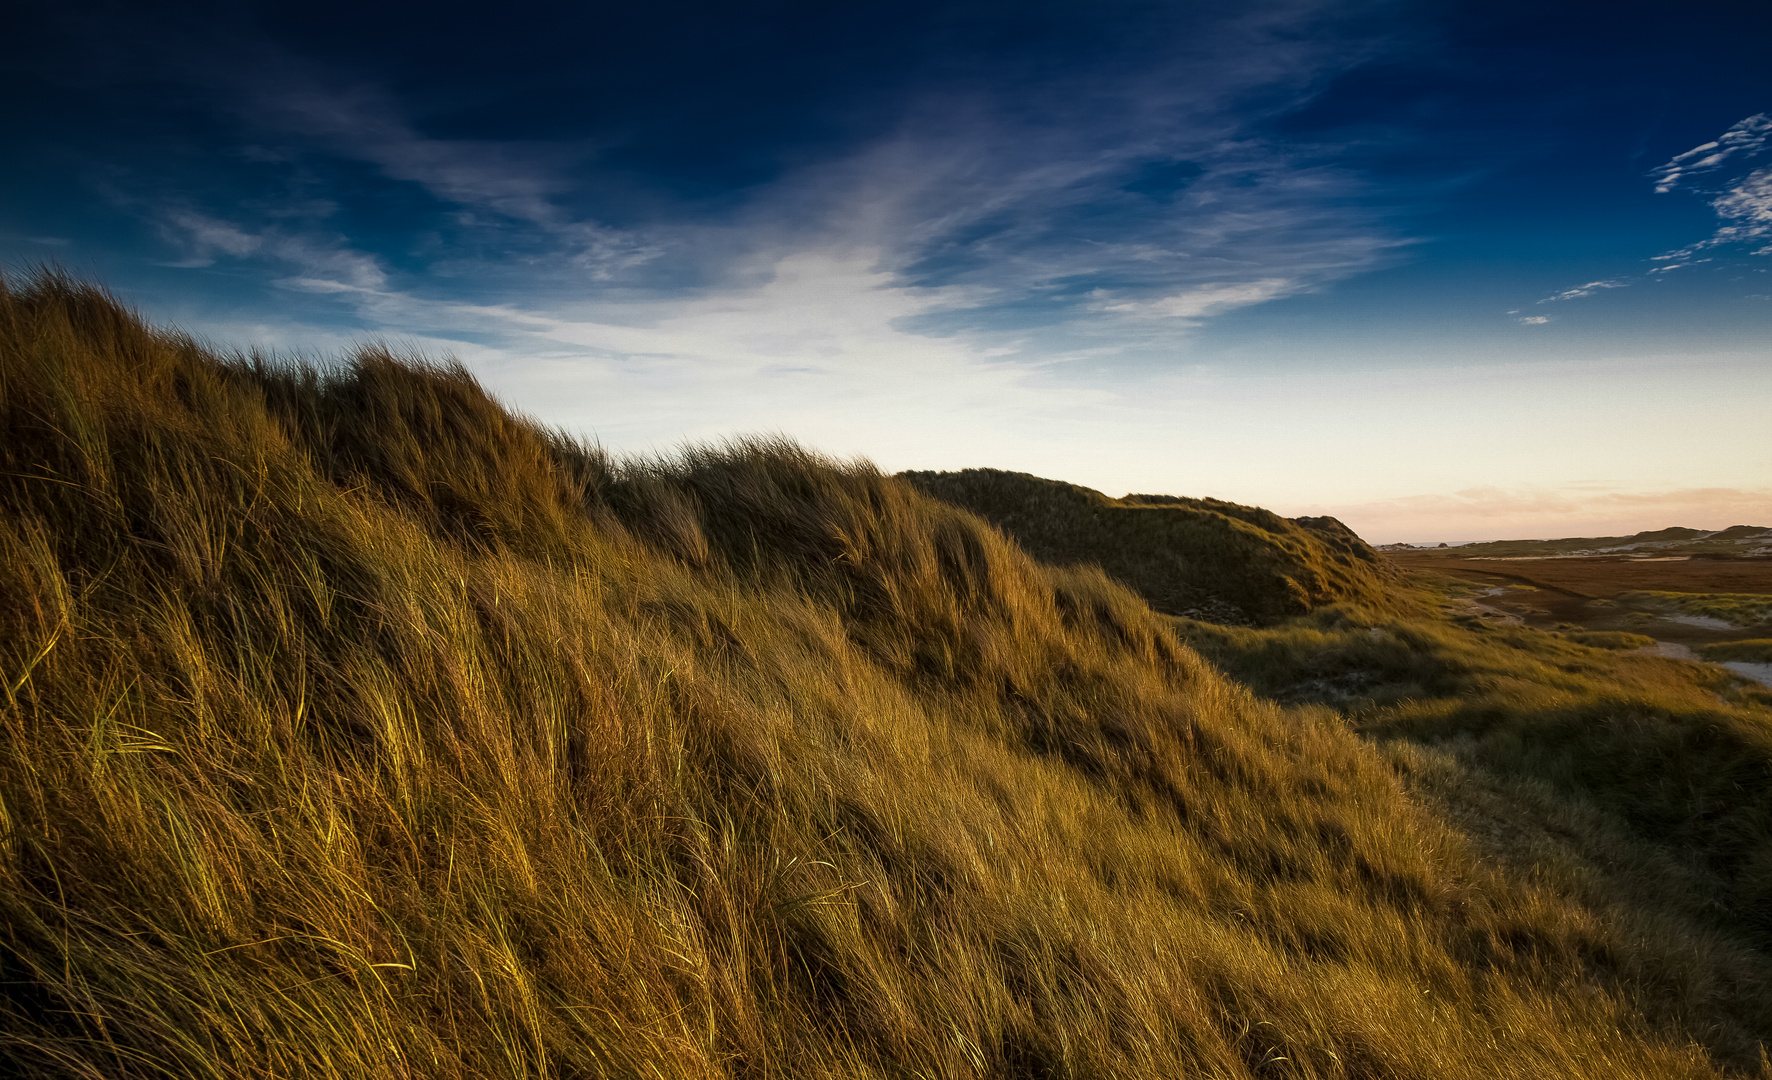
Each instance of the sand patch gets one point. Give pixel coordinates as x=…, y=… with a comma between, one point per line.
x=1703, y=622
x=1760, y=673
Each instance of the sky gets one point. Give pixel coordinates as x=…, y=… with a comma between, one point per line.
x=1445, y=270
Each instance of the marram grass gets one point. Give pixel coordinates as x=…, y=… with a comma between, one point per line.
x=1736, y=609
x=1201, y=557
x=353, y=726
x=1757, y=651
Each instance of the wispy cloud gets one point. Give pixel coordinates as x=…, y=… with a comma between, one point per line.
x=1065, y=226
x=1191, y=306
x=513, y=196
x=509, y=178
x=1584, y=290
x=1744, y=139
x=815, y=347
x=319, y=263
x=1749, y=205
x=1743, y=202
x=1111, y=207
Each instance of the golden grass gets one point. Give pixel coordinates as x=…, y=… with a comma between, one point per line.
x=353, y=726
x=1197, y=557
x=1633, y=786
x=1737, y=609
x=1756, y=651
x=1610, y=639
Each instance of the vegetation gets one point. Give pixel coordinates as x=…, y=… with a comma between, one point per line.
x=1198, y=557
x=1736, y=609
x=1632, y=784
x=355, y=726
x=1756, y=651
x=1610, y=639
x=1733, y=541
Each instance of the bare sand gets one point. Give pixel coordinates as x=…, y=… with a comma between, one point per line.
x=1760, y=673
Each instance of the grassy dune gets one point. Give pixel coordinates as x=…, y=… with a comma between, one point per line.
x=355, y=726
x=1632, y=785
x=1756, y=651
x=1199, y=557
x=1736, y=609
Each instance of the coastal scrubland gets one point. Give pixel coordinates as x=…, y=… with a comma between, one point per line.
x=355, y=725
x=1603, y=577
x=1694, y=600
x=1735, y=609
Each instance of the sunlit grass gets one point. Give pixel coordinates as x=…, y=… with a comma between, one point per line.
x=1633, y=785
x=1610, y=639
x=1737, y=609
x=1204, y=558
x=1756, y=651
x=354, y=726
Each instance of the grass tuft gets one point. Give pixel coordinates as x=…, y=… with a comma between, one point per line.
x=1755, y=651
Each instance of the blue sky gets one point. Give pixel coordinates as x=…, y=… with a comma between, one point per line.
x=1446, y=270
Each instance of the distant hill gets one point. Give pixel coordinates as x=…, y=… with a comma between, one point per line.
x=1203, y=558
x=1736, y=540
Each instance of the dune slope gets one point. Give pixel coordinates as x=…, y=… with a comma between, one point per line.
x=355, y=726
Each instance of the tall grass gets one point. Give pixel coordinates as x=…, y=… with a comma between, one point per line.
x=1194, y=557
x=1637, y=787
x=1757, y=651
x=354, y=726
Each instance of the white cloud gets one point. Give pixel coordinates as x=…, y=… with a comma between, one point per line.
x=1745, y=138
x=813, y=345
x=323, y=264
x=1195, y=304
x=505, y=177
x=1744, y=203
x=1584, y=290
x=502, y=182
x=1750, y=203
x=204, y=236
x=991, y=192
x=1747, y=207
x=1535, y=320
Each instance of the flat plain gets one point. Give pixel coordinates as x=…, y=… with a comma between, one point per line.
x=1604, y=592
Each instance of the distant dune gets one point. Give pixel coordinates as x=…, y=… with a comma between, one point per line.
x=1737, y=540
x=1203, y=558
